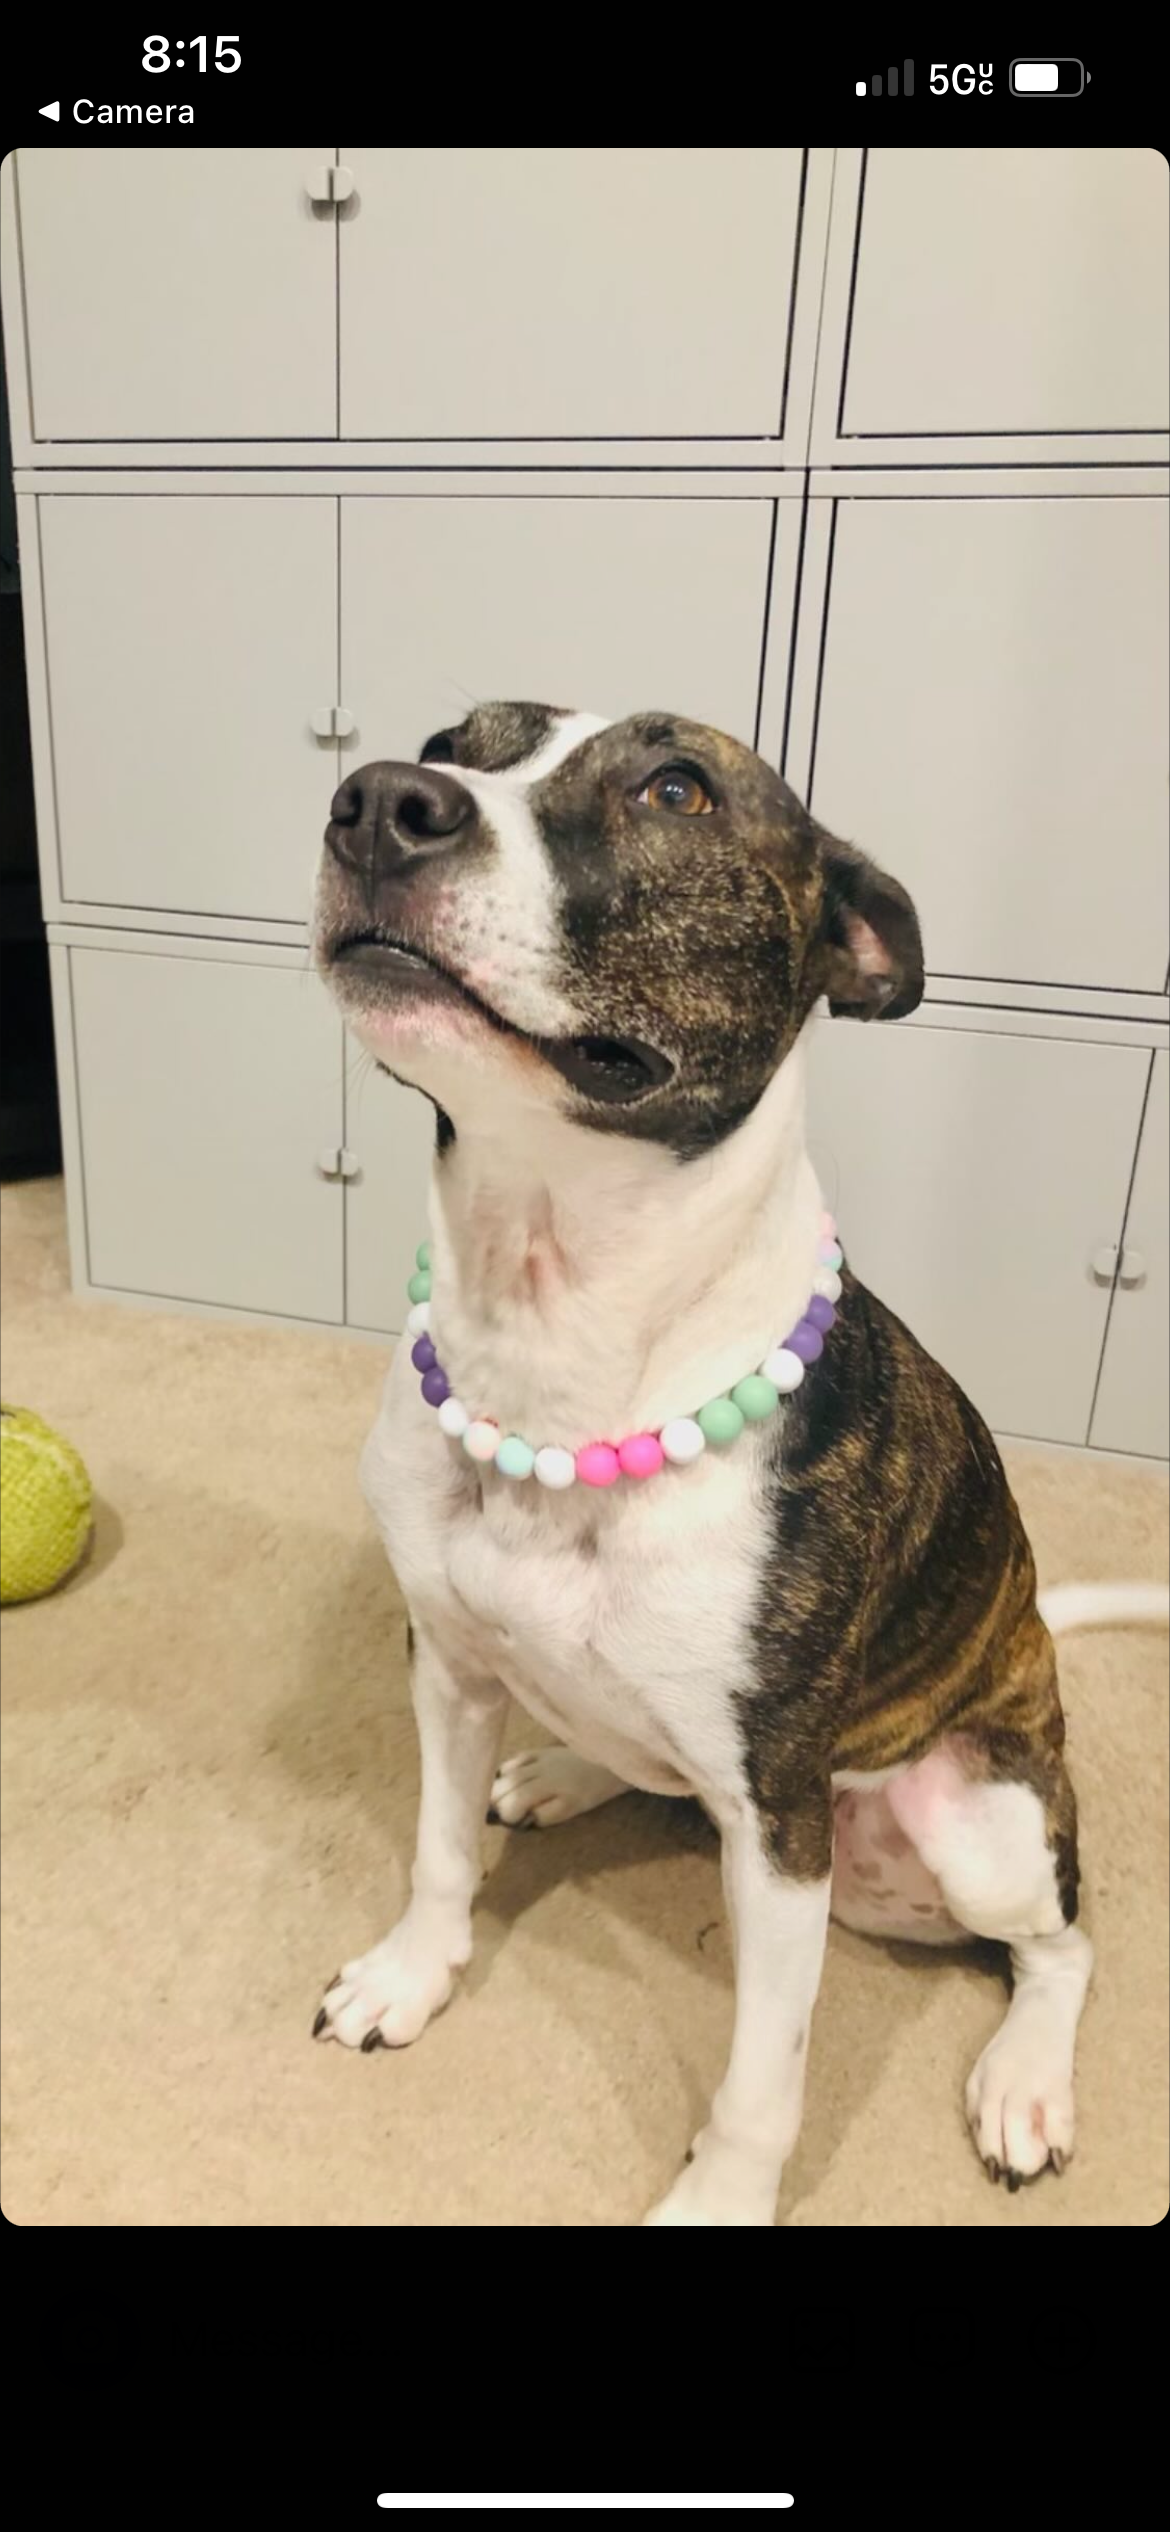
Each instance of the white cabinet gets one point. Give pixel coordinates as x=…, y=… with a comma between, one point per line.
x=189, y=643
x=1010, y=290
x=993, y=727
x=975, y=1177
x=177, y=294
x=567, y=293
x=390, y=1134
x=210, y=1091
x=611, y=606
x=1132, y=1412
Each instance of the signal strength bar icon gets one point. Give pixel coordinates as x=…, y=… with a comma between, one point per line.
x=892, y=83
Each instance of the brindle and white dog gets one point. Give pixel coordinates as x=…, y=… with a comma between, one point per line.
x=595, y=947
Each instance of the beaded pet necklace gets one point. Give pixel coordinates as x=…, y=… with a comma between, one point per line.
x=683, y=1439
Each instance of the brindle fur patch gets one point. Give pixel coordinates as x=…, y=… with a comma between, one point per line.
x=900, y=1603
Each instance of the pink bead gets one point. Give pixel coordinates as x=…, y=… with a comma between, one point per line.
x=828, y=1227
x=642, y=1455
x=597, y=1464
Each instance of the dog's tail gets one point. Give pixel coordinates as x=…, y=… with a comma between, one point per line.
x=1070, y=1605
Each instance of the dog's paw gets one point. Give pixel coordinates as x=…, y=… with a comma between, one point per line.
x=384, y=1999
x=1020, y=2105
x=710, y=2192
x=538, y=1788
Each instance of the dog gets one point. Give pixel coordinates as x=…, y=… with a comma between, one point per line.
x=595, y=947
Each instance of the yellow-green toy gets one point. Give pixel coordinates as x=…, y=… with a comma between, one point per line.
x=46, y=1506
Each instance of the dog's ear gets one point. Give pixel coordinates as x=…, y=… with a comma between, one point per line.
x=872, y=945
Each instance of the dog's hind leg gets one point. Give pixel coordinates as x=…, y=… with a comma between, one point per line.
x=1004, y=1855
x=538, y=1788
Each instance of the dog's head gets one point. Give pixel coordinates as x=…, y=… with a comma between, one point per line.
x=628, y=921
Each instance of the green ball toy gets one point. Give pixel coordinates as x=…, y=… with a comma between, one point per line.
x=46, y=1506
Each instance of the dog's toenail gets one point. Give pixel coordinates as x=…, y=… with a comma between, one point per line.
x=493, y=1818
x=373, y=2039
x=319, y=2024
x=1056, y=2159
x=1013, y=2181
x=334, y=1982
x=994, y=2172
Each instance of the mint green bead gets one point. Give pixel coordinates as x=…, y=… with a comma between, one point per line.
x=755, y=1397
x=419, y=1287
x=515, y=1458
x=422, y=1255
x=720, y=1420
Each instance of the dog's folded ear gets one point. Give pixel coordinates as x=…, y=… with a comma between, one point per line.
x=872, y=944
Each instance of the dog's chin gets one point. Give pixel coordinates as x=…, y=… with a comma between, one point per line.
x=399, y=999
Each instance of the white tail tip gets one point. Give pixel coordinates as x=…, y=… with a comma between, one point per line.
x=1070, y=1605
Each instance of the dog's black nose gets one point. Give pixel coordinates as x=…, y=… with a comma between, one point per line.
x=388, y=816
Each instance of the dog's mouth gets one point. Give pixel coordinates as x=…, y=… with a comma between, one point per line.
x=615, y=1069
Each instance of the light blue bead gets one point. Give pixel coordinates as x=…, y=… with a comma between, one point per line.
x=419, y=1286
x=422, y=1255
x=514, y=1458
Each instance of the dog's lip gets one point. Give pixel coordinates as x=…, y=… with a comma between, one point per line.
x=610, y=1069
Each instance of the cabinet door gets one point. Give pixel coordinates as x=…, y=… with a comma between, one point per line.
x=209, y=1091
x=1010, y=290
x=974, y=1177
x=610, y=606
x=567, y=293
x=178, y=294
x=189, y=642
x=1133, y=1402
x=390, y=1133
x=993, y=728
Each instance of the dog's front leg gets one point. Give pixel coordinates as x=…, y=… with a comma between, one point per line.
x=779, y=1912
x=387, y=1997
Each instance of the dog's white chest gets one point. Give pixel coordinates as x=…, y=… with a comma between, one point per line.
x=622, y=1623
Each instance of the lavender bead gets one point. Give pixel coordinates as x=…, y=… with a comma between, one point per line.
x=422, y=1354
x=435, y=1385
x=820, y=1313
x=806, y=1342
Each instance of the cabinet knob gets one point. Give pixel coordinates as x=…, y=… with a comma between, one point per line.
x=1132, y=1270
x=332, y=721
x=330, y=184
x=1103, y=1265
x=336, y=1161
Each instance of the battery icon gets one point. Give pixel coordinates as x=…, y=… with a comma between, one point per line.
x=1060, y=78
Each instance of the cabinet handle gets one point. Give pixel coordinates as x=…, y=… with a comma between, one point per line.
x=1132, y=1270
x=336, y=1161
x=1103, y=1265
x=332, y=722
x=330, y=185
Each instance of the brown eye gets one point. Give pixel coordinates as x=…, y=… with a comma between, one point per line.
x=678, y=790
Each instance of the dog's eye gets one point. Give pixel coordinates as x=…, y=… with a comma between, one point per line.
x=674, y=787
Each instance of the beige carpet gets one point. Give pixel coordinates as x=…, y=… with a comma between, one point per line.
x=208, y=1795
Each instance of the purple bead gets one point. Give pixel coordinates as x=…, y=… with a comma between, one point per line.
x=820, y=1313
x=435, y=1385
x=422, y=1353
x=806, y=1342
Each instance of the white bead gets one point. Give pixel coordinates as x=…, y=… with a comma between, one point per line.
x=418, y=1320
x=454, y=1418
x=827, y=1282
x=784, y=1370
x=682, y=1439
x=482, y=1440
x=554, y=1468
